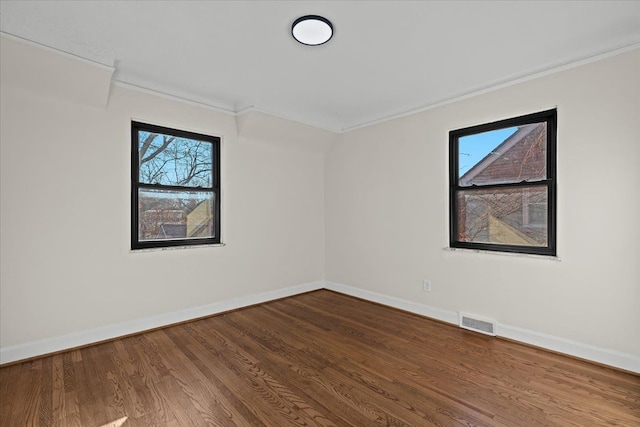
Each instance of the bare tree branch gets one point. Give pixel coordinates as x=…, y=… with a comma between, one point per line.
x=165, y=143
x=145, y=145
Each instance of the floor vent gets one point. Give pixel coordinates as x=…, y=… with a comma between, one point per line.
x=478, y=324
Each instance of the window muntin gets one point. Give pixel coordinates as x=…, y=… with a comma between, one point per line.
x=502, y=185
x=175, y=187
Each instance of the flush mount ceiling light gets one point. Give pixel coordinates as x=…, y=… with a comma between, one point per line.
x=312, y=30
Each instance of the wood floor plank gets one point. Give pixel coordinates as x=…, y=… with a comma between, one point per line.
x=200, y=357
x=225, y=378
x=57, y=389
x=286, y=401
x=119, y=379
x=346, y=374
x=317, y=359
x=31, y=407
x=200, y=392
x=45, y=408
x=223, y=359
x=281, y=360
x=361, y=376
x=90, y=391
x=148, y=377
x=387, y=361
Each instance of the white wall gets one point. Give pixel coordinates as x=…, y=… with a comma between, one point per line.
x=66, y=264
x=387, y=211
x=380, y=193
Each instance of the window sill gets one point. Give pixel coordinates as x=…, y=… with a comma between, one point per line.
x=510, y=254
x=171, y=248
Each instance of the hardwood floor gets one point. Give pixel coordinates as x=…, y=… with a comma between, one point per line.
x=318, y=359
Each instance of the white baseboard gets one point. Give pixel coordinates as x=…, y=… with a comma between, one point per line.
x=608, y=357
x=79, y=339
x=604, y=356
x=51, y=345
x=412, y=307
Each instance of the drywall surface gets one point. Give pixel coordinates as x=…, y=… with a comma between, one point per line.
x=387, y=211
x=368, y=213
x=66, y=261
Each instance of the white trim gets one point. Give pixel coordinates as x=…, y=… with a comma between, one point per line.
x=83, y=338
x=253, y=109
x=97, y=64
x=175, y=98
x=412, y=307
x=208, y=106
x=511, y=254
x=28, y=350
x=604, y=356
x=170, y=248
x=212, y=107
x=509, y=81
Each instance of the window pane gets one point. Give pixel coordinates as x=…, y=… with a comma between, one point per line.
x=503, y=216
x=503, y=156
x=169, y=160
x=170, y=215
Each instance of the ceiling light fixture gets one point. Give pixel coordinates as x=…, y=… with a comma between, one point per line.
x=312, y=30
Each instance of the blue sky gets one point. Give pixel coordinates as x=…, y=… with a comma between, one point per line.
x=474, y=148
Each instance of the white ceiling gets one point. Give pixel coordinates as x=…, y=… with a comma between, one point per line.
x=386, y=57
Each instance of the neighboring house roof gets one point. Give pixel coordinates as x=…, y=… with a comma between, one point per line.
x=200, y=220
x=202, y=230
x=501, y=232
x=172, y=231
x=498, y=153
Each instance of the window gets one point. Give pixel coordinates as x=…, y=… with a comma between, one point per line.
x=503, y=185
x=175, y=187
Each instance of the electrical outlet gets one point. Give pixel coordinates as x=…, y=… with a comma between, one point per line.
x=426, y=285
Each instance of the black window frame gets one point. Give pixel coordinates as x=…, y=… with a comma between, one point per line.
x=136, y=185
x=550, y=183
